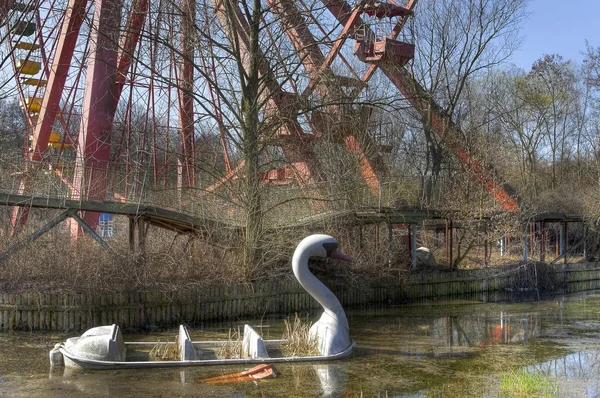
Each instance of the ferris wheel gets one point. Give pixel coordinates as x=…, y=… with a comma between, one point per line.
x=120, y=93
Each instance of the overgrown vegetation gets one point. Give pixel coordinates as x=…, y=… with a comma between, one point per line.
x=538, y=127
x=232, y=347
x=298, y=342
x=524, y=383
x=164, y=351
x=532, y=276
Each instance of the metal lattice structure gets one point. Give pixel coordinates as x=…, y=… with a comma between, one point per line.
x=115, y=90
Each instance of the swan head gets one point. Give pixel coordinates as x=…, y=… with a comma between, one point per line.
x=320, y=246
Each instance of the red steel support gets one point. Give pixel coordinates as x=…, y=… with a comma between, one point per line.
x=51, y=101
x=335, y=49
x=317, y=65
x=61, y=63
x=185, y=89
x=5, y=7
x=301, y=156
x=93, y=146
x=129, y=41
x=446, y=129
x=393, y=34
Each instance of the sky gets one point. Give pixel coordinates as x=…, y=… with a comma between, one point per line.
x=558, y=27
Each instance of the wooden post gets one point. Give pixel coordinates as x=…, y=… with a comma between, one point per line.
x=543, y=241
x=557, y=241
x=526, y=242
x=360, y=236
x=449, y=242
x=563, y=241
x=413, y=244
x=47, y=227
x=141, y=236
x=486, y=254
x=390, y=239
x=131, y=235
x=137, y=223
x=585, y=249
x=532, y=238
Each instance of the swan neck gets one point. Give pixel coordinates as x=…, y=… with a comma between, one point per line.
x=316, y=288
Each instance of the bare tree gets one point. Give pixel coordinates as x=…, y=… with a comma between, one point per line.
x=456, y=41
x=592, y=66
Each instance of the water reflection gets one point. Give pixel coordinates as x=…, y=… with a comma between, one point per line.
x=428, y=349
x=487, y=330
x=581, y=369
x=333, y=379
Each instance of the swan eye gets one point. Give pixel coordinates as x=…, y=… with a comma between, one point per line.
x=330, y=247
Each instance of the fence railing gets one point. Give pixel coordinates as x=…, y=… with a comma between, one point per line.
x=76, y=312
x=282, y=204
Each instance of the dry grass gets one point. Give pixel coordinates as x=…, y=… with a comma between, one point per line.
x=232, y=348
x=52, y=264
x=170, y=262
x=164, y=351
x=297, y=339
x=532, y=276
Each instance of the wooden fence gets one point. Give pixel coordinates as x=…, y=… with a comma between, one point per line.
x=76, y=312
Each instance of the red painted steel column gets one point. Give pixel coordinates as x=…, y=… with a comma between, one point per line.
x=318, y=66
x=447, y=130
x=93, y=147
x=442, y=125
x=129, y=41
x=299, y=151
x=185, y=86
x=367, y=165
x=56, y=81
x=51, y=100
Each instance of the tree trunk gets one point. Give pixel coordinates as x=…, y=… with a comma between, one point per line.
x=251, y=147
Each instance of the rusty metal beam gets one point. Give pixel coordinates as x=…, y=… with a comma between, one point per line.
x=61, y=63
x=51, y=101
x=5, y=7
x=393, y=34
x=278, y=103
x=93, y=145
x=185, y=88
x=449, y=133
x=443, y=125
x=317, y=65
x=128, y=44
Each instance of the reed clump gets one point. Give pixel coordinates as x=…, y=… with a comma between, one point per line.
x=232, y=347
x=532, y=276
x=522, y=383
x=164, y=351
x=297, y=339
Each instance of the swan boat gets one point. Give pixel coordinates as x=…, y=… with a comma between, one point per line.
x=103, y=347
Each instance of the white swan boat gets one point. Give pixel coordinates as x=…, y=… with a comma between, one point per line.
x=103, y=347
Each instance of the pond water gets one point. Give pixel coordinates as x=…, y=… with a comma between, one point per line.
x=434, y=349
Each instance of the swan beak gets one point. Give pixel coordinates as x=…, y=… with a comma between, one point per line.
x=338, y=255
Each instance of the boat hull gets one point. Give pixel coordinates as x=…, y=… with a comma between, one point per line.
x=71, y=360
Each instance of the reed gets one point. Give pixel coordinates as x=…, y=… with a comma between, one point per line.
x=232, y=348
x=297, y=340
x=522, y=383
x=164, y=351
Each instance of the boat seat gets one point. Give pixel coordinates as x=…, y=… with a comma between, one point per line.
x=187, y=352
x=103, y=343
x=253, y=346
